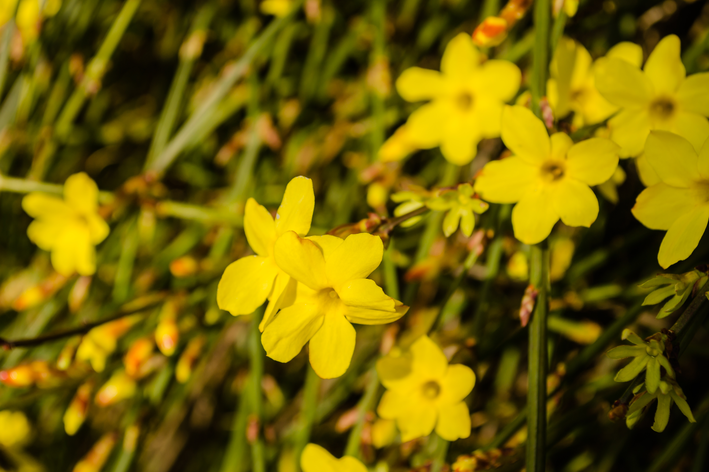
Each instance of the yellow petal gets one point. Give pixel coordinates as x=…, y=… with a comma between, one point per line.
x=282, y=296
x=621, y=83
x=694, y=128
x=416, y=84
x=317, y=459
x=454, y=422
x=499, y=79
x=627, y=51
x=350, y=464
x=647, y=173
x=592, y=161
x=525, y=134
x=332, y=346
x=45, y=206
x=703, y=160
x=417, y=422
x=301, y=259
x=456, y=384
x=506, y=180
x=533, y=217
x=575, y=203
x=629, y=130
x=327, y=243
x=259, y=227
x=562, y=66
x=296, y=210
x=683, y=236
x=461, y=58
x=395, y=371
x=560, y=145
x=355, y=258
x=664, y=67
x=460, y=139
x=693, y=94
x=294, y=326
x=81, y=193
x=659, y=206
x=365, y=293
x=245, y=284
x=73, y=251
x=44, y=233
x=428, y=358
x=673, y=158
x=451, y=221
x=97, y=226
x=581, y=67
x=489, y=117
x=394, y=404
x=428, y=123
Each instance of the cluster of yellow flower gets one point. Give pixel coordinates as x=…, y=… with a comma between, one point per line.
x=655, y=114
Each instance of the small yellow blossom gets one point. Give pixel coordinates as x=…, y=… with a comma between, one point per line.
x=332, y=294
x=424, y=392
x=69, y=228
x=316, y=459
x=14, y=428
x=658, y=97
x=548, y=177
x=277, y=8
x=249, y=281
x=460, y=207
x=571, y=87
x=398, y=146
x=467, y=97
x=679, y=204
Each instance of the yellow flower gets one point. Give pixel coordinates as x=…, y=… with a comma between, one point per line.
x=14, y=428
x=460, y=207
x=659, y=96
x=317, y=459
x=679, y=204
x=277, y=8
x=333, y=293
x=398, y=146
x=571, y=87
x=249, y=281
x=467, y=97
x=69, y=228
x=548, y=178
x=424, y=392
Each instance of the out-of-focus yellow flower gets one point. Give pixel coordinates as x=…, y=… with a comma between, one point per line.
x=14, y=428
x=277, y=8
x=183, y=371
x=548, y=178
x=383, y=433
x=69, y=227
x=424, y=392
x=100, y=342
x=609, y=188
x=562, y=252
x=679, y=204
x=518, y=266
x=571, y=87
x=332, y=294
x=75, y=414
x=137, y=354
x=119, y=387
x=461, y=208
x=467, y=97
x=249, y=281
x=398, y=146
x=316, y=459
x=658, y=97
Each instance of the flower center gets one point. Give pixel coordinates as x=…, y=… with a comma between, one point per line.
x=553, y=170
x=333, y=294
x=431, y=389
x=701, y=190
x=464, y=101
x=662, y=108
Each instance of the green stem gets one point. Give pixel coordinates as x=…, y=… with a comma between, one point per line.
x=221, y=89
x=540, y=56
x=190, y=52
x=5, y=41
x=557, y=30
x=537, y=393
x=255, y=397
x=307, y=414
x=245, y=172
x=391, y=281
x=378, y=12
x=439, y=455
x=365, y=404
x=490, y=8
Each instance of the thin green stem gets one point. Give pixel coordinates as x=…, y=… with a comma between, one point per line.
x=537, y=393
x=189, y=53
x=391, y=281
x=489, y=8
x=245, y=172
x=365, y=404
x=540, y=56
x=557, y=30
x=467, y=265
x=378, y=59
x=5, y=40
x=255, y=397
x=307, y=414
x=221, y=89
